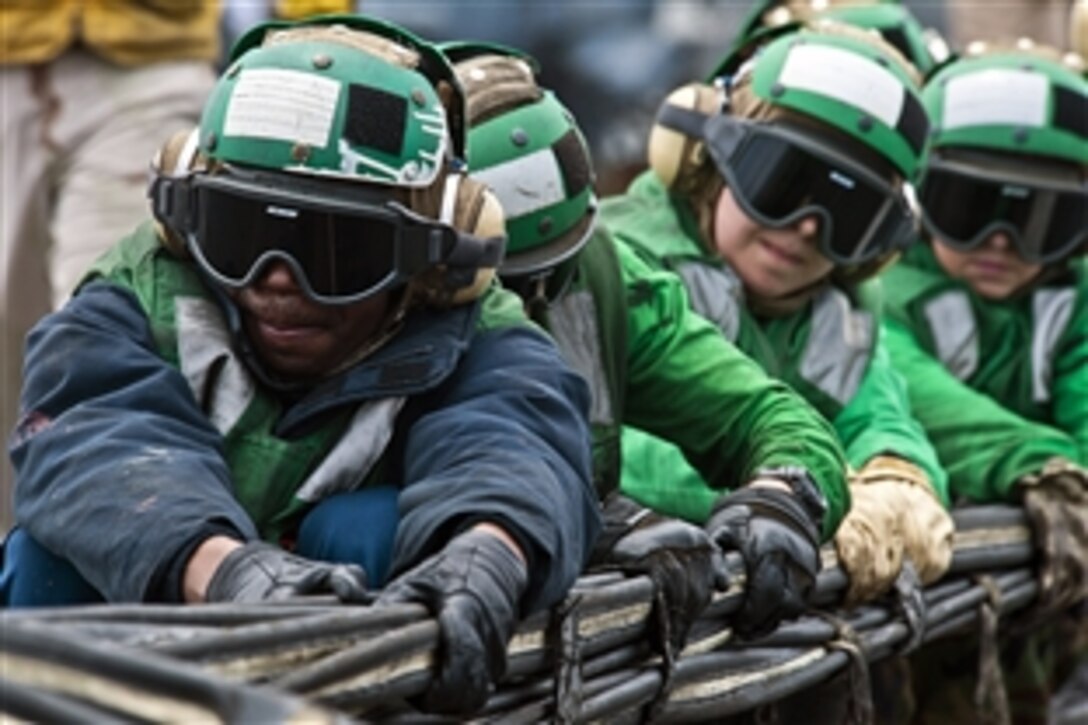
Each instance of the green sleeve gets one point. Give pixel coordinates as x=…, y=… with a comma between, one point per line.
x=984, y=447
x=500, y=308
x=689, y=385
x=878, y=420
x=1070, y=383
x=656, y=474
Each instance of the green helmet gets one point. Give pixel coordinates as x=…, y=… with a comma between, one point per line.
x=923, y=47
x=854, y=83
x=1010, y=101
x=525, y=145
x=1010, y=134
x=327, y=144
x=301, y=98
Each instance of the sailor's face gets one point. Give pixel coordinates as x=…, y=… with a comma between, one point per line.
x=293, y=335
x=771, y=262
x=993, y=269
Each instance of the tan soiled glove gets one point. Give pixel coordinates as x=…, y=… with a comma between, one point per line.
x=894, y=513
x=1056, y=502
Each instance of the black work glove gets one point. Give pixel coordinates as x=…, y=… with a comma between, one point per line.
x=681, y=560
x=258, y=572
x=1056, y=503
x=473, y=587
x=781, y=551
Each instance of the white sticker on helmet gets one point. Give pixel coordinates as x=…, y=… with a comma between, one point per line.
x=285, y=105
x=996, y=96
x=526, y=184
x=847, y=77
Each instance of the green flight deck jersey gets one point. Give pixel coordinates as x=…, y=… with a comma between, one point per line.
x=1000, y=386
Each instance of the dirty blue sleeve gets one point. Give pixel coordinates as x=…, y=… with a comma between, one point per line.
x=117, y=468
x=508, y=443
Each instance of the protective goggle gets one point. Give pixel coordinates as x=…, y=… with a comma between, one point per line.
x=343, y=244
x=1045, y=220
x=779, y=176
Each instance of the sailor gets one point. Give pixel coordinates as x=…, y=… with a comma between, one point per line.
x=654, y=363
x=987, y=316
x=775, y=194
x=301, y=379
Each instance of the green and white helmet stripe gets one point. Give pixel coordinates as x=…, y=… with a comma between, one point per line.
x=1010, y=101
x=399, y=46
x=537, y=163
x=848, y=83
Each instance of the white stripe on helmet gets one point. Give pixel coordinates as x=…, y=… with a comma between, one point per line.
x=997, y=96
x=284, y=105
x=525, y=184
x=847, y=77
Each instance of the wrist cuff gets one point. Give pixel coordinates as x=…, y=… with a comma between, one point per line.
x=803, y=487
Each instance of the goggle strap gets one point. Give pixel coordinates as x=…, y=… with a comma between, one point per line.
x=170, y=201
x=1039, y=220
x=470, y=251
x=685, y=120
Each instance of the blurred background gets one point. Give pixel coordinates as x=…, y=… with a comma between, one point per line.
x=613, y=61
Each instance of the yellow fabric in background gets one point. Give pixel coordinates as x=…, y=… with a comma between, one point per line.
x=125, y=32
x=297, y=9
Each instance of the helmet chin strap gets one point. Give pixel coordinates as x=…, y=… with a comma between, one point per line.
x=536, y=303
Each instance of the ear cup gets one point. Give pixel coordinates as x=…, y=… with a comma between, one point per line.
x=477, y=211
x=469, y=207
x=675, y=155
x=180, y=155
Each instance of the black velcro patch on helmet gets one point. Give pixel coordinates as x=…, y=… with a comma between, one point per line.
x=375, y=119
x=1071, y=111
x=573, y=163
x=913, y=123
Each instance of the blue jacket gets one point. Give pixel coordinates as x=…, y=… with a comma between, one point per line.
x=120, y=472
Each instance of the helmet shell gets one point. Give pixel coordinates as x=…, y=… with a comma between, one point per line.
x=344, y=97
x=894, y=21
x=536, y=160
x=852, y=84
x=310, y=107
x=1010, y=101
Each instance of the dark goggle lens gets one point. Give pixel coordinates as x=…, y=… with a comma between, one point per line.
x=963, y=211
x=341, y=255
x=1068, y=225
x=778, y=180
